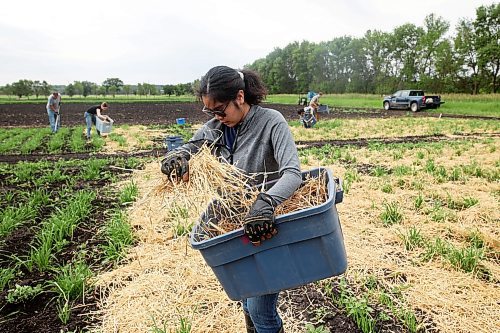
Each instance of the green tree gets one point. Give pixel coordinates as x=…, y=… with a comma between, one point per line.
x=101, y=90
x=109, y=82
x=168, y=89
x=70, y=90
x=88, y=88
x=487, y=30
x=466, y=53
x=127, y=89
x=22, y=88
x=7, y=90
x=431, y=43
x=112, y=90
x=37, y=88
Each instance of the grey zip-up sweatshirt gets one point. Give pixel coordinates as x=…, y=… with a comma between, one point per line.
x=264, y=144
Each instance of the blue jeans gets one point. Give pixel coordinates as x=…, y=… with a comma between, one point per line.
x=52, y=120
x=89, y=120
x=262, y=310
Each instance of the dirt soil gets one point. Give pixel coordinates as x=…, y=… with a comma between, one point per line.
x=35, y=115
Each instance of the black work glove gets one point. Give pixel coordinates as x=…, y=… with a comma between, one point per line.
x=176, y=161
x=259, y=222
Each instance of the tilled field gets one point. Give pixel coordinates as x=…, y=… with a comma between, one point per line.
x=35, y=115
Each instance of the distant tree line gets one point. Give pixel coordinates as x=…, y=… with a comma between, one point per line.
x=380, y=62
x=110, y=87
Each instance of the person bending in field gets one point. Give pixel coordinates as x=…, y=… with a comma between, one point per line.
x=314, y=104
x=257, y=140
x=53, y=105
x=92, y=113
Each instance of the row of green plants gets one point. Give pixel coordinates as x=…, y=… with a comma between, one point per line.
x=41, y=140
x=72, y=140
x=371, y=303
x=53, y=213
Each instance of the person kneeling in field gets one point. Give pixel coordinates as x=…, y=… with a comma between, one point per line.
x=258, y=141
x=92, y=113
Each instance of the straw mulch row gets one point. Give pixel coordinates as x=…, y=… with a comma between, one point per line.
x=454, y=301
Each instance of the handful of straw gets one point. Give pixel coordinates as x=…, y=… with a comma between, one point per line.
x=229, y=193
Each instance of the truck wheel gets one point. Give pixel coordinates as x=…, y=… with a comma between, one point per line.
x=387, y=106
x=414, y=107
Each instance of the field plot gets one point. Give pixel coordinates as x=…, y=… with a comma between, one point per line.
x=87, y=243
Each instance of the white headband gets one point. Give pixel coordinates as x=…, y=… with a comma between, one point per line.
x=241, y=75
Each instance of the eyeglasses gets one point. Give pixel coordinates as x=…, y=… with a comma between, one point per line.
x=218, y=111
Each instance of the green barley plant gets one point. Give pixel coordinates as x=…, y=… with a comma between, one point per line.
x=397, y=155
x=420, y=155
x=470, y=201
x=387, y=188
x=63, y=311
x=21, y=294
x=409, y=320
x=119, y=237
x=430, y=166
x=156, y=329
x=182, y=225
x=13, y=217
x=435, y=249
x=476, y=240
x=70, y=279
x=129, y=193
x=419, y=201
x=467, y=259
x=356, y=308
x=120, y=139
x=11, y=143
x=42, y=255
x=92, y=169
x=402, y=170
x=455, y=174
x=34, y=141
x=24, y=171
x=6, y=275
x=351, y=176
x=8, y=198
x=391, y=214
x=348, y=157
x=185, y=326
x=77, y=141
x=63, y=305
x=361, y=312
x=412, y=239
x=440, y=174
x=378, y=171
x=57, y=140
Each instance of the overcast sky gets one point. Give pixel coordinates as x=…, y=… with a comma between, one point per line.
x=170, y=42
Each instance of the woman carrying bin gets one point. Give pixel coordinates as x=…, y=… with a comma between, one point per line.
x=95, y=112
x=256, y=140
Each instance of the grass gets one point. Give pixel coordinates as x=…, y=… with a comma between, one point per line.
x=482, y=105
